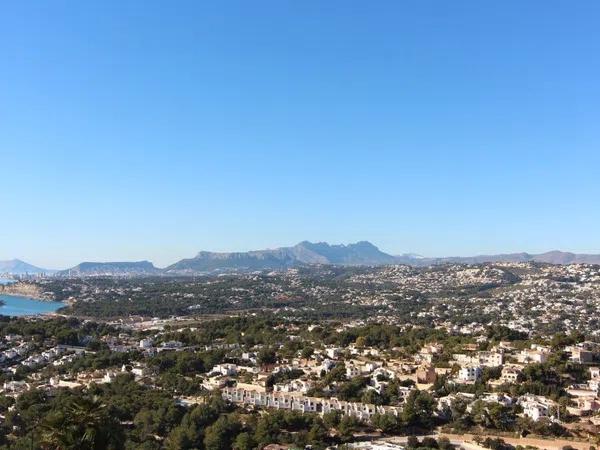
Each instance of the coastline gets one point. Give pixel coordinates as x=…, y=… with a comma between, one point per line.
x=23, y=289
x=31, y=297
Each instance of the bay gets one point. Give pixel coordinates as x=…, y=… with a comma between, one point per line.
x=25, y=306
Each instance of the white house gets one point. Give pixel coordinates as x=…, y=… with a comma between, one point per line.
x=146, y=343
x=225, y=369
x=536, y=407
x=469, y=374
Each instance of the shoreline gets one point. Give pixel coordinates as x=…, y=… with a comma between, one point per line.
x=29, y=297
x=27, y=290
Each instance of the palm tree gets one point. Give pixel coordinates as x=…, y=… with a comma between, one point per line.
x=85, y=425
x=55, y=433
x=88, y=415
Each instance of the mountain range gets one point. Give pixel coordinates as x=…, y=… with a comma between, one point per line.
x=552, y=257
x=305, y=253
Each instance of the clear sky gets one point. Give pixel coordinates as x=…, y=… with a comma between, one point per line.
x=152, y=129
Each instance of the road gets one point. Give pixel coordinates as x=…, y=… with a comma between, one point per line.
x=466, y=441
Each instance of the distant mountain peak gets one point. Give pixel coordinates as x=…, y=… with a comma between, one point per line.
x=18, y=267
x=119, y=268
x=412, y=255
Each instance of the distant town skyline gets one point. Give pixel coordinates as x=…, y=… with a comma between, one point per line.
x=132, y=131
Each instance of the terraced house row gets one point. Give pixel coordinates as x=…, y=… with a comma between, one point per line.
x=279, y=400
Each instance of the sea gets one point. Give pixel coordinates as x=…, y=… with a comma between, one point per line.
x=25, y=306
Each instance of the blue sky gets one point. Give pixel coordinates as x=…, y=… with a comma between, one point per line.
x=151, y=130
